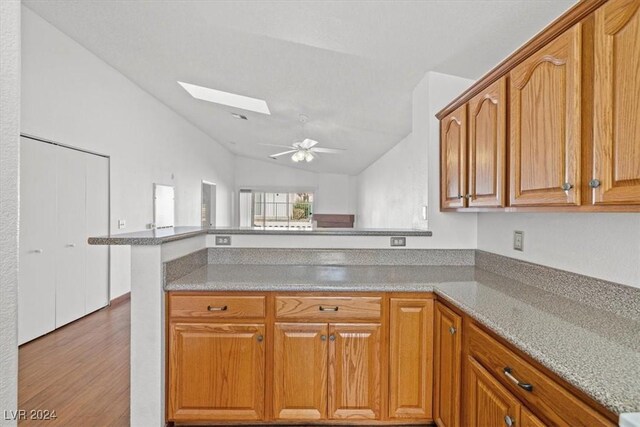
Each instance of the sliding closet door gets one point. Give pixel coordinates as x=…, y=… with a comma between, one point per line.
x=97, y=257
x=71, y=236
x=36, y=282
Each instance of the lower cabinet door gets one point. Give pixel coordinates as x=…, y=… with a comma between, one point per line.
x=411, y=358
x=488, y=403
x=216, y=372
x=447, y=366
x=354, y=371
x=527, y=419
x=300, y=371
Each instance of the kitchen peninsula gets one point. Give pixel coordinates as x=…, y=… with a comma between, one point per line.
x=395, y=333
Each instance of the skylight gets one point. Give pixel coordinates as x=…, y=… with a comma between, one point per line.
x=226, y=98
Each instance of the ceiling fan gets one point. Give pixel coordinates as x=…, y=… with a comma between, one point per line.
x=304, y=150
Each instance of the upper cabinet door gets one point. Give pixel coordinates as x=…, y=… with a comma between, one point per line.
x=617, y=103
x=453, y=147
x=487, y=146
x=545, y=124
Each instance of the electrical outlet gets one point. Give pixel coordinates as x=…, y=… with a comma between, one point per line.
x=122, y=224
x=223, y=240
x=398, y=241
x=518, y=240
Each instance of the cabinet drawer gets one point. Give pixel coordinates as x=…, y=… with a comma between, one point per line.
x=551, y=400
x=217, y=306
x=328, y=308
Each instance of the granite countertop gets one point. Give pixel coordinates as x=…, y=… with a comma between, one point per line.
x=596, y=351
x=165, y=235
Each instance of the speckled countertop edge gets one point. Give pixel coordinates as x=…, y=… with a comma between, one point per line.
x=160, y=236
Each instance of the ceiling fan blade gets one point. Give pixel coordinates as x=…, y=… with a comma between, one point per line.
x=327, y=150
x=308, y=143
x=273, y=156
x=277, y=145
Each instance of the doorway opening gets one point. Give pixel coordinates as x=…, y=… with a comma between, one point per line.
x=208, y=205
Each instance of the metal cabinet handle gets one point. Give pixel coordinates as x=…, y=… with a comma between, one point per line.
x=260, y=338
x=469, y=196
x=525, y=386
x=509, y=422
x=212, y=308
x=566, y=186
x=323, y=337
x=323, y=308
x=460, y=196
x=594, y=183
x=452, y=330
x=332, y=337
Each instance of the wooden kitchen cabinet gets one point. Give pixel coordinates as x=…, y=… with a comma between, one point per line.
x=447, y=366
x=300, y=371
x=487, y=147
x=616, y=121
x=453, y=167
x=545, y=114
x=216, y=372
x=488, y=403
x=411, y=358
x=354, y=371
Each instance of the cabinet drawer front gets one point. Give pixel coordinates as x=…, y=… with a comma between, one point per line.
x=218, y=306
x=328, y=308
x=550, y=399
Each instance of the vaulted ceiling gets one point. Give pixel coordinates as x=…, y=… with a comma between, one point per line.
x=350, y=66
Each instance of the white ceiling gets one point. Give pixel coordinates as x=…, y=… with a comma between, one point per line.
x=351, y=66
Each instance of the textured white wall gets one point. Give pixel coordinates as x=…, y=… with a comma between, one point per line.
x=392, y=191
x=333, y=192
x=9, y=207
x=606, y=246
x=73, y=97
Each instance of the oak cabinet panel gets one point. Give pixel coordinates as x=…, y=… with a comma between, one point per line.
x=300, y=371
x=489, y=404
x=527, y=419
x=447, y=366
x=216, y=371
x=616, y=139
x=545, y=114
x=453, y=149
x=411, y=358
x=354, y=371
x=487, y=147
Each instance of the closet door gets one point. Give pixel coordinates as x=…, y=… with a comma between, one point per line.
x=70, y=247
x=97, y=211
x=36, y=281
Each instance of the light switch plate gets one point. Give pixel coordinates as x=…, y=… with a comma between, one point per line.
x=518, y=240
x=223, y=240
x=398, y=241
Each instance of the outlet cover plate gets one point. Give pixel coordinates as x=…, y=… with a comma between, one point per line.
x=223, y=240
x=518, y=240
x=398, y=241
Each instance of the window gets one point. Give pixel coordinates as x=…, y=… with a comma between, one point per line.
x=278, y=210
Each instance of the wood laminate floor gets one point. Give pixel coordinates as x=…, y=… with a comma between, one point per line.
x=81, y=371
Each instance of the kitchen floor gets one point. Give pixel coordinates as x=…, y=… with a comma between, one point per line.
x=80, y=371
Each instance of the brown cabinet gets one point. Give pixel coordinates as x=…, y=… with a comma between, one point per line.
x=616, y=121
x=489, y=404
x=411, y=358
x=545, y=125
x=216, y=371
x=453, y=168
x=300, y=371
x=327, y=371
x=447, y=366
x=354, y=371
x=487, y=147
